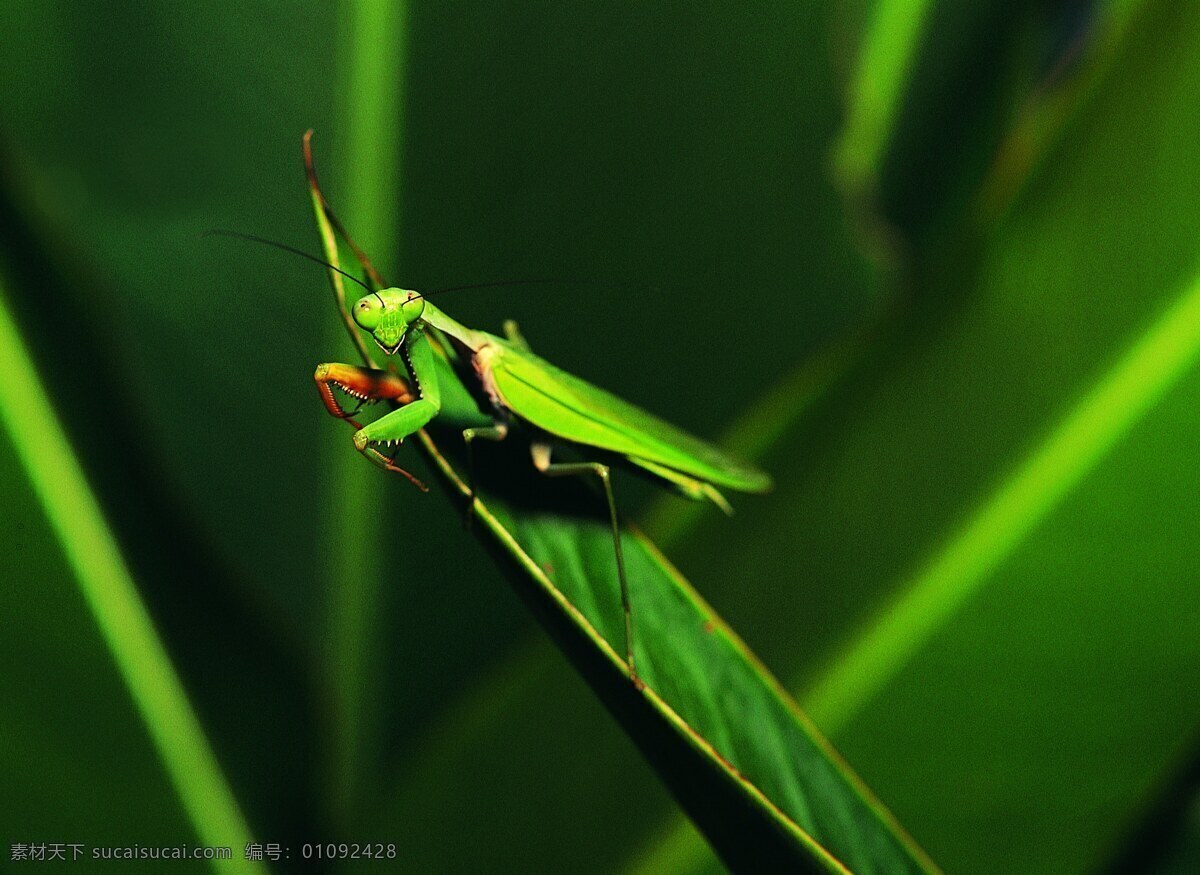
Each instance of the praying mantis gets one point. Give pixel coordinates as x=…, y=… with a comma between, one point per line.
x=495, y=388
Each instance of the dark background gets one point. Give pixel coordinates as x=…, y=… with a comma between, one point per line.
x=358, y=665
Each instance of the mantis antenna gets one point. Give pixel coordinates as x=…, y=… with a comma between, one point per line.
x=238, y=235
x=253, y=238
x=563, y=281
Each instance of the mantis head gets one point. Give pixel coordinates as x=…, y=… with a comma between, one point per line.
x=387, y=315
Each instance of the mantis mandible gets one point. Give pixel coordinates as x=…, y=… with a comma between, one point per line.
x=499, y=387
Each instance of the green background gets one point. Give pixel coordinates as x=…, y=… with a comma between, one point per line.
x=910, y=317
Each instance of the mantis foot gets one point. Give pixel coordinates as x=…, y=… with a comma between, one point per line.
x=388, y=463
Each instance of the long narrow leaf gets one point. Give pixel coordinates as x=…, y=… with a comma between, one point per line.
x=121, y=617
x=374, y=53
x=926, y=602
x=885, y=61
x=733, y=747
x=1118, y=401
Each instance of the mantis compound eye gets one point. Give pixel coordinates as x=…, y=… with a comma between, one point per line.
x=366, y=312
x=413, y=307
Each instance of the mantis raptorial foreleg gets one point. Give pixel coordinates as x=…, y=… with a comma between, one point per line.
x=541, y=453
x=394, y=427
x=367, y=386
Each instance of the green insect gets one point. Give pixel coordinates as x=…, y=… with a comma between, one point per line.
x=502, y=387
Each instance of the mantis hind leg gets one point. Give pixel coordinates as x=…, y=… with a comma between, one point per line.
x=541, y=460
x=697, y=490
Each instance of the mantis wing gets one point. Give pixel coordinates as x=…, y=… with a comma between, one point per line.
x=564, y=405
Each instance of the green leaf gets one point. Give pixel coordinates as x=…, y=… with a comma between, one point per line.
x=1106, y=384
x=140, y=331
x=891, y=38
x=729, y=729
x=763, y=228
x=738, y=754
x=122, y=620
x=373, y=49
x=682, y=161
x=1000, y=487
x=1095, y=424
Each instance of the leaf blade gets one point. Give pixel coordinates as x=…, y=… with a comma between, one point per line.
x=108, y=588
x=1159, y=358
x=761, y=819
x=374, y=39
x=812, y=819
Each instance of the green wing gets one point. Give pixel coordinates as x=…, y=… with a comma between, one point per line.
x=574, y=409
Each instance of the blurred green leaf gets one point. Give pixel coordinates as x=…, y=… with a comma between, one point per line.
x=139, y=329
x=1073, y=302
x=74, y=707
x=373, y=49
x=963, y=435
x=890, y=41
x=1026, y=495
x=1166, y=837
x=102, y=577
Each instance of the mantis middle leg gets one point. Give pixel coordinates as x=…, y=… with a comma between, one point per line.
x=541, y=453
x=497, y=432
x=513, y=332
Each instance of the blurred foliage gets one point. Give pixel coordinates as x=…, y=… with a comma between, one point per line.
x=1028, y=218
